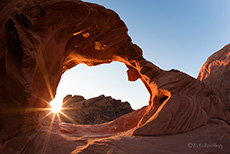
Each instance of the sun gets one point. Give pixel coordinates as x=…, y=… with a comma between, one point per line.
x=55, y=110
x=56, y=106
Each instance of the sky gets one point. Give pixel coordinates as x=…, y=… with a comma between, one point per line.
x=173, y=34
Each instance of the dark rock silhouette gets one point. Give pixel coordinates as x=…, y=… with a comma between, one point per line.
x=95, y=110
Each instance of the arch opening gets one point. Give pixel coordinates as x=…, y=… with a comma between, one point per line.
x=109, y=80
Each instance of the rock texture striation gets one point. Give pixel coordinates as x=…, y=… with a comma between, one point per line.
x=216, y=74
x=95, y=110
x=43, y=39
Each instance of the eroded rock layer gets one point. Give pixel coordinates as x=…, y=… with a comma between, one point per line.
x=43, y=39
x=216, y=74
x=178, y=102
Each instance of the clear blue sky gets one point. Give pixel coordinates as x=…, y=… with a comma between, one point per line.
x=173, y=34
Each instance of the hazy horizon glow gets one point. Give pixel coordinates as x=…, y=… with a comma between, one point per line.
x=172, y=34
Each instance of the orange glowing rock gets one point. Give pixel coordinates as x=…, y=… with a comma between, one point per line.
x=43, y=39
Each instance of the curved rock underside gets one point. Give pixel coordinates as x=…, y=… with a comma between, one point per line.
x=43, y=39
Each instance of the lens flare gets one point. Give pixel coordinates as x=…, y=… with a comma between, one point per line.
x=56, y=106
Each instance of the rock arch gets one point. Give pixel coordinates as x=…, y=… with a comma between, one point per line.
x=44, y=39
x=106, y=79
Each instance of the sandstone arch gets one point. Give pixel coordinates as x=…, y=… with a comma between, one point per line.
x=44, y=39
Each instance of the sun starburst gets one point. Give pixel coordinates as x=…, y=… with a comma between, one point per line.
x=55, y=106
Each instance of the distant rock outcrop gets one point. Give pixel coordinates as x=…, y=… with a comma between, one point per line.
x=96, y=110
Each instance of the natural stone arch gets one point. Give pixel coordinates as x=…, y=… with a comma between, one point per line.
x=104, y=79
x=50, y=37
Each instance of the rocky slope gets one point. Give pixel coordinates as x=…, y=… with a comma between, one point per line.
x=43, y=39
x=96, y=110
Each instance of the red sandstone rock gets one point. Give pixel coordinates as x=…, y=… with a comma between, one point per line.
x=211, y=138
x=178, y=102
x=216, y=74
x=43, y=39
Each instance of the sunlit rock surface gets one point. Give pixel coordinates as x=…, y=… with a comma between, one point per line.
x=95, y=110
x=42, y=39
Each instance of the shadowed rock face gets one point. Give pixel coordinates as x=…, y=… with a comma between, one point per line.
x=216, y=74
x=43, y=39
x=95, y=110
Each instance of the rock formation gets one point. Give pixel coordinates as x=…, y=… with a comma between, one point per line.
x=96, y=110
x=43, y=39
x=216, y=74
